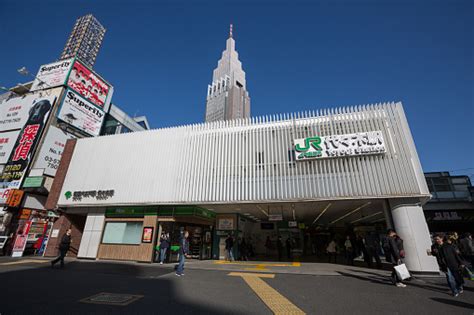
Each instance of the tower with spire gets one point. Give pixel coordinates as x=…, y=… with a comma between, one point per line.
x=227, y=96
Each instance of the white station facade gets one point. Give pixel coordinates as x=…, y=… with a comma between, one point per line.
x=327, y=169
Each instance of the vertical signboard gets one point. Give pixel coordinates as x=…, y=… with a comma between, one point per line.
x=21, y=238
x=88, y=84
x=50, y=153
x=52, y=75
x=24, y=146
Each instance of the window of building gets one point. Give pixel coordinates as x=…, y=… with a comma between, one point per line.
x=122, y=233
x=239, y=84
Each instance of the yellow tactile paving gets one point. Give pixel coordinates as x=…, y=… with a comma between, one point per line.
x=276, y=302
x=24, y=261
x=259, y=265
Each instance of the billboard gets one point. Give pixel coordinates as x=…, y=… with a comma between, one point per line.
x=25, y=144
x=50, y=153
x=53, y=74
x=88, y=84
x=80, y=113
x=15, y=112
x=7, y=140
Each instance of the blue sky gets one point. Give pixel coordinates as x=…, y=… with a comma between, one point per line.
x=298, y=55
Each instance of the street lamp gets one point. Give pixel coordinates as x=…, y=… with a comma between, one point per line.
x=24, y=71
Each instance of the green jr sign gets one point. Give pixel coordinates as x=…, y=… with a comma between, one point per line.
x=310, y=148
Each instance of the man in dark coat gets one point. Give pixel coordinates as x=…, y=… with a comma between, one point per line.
x=454, y=264
x=183, y=251
x=395, y=253
x=63, y=249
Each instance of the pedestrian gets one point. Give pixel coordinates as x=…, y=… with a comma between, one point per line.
x=268, y=246
x=467, y=248
x=183, y=252
x=454, y=265
x=63, y=248
x=349, y=251
x=243, y=250
x=288, y=247
x=332, y=251
x=229, y=245
x=372, y=248
x=164, y=245
x=279, y=247
x=395, y=253
x=436, y=251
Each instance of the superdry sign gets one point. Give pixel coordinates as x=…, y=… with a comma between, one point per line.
x=53, y=74
x=80, y=113
x=354, y=144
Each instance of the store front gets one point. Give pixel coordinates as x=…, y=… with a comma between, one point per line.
x=296, y=177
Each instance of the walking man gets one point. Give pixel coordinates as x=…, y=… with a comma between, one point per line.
x=63, y=249
x=229, y=245
x=183, y=251
x=395, y=252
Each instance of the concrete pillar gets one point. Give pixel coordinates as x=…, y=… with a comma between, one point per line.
x=410, y=224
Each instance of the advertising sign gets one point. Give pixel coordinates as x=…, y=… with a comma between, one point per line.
x=21, y=238
x=24, y=147
x=225, y=224
x=275, y=217
x=53, y=74
x=7, y=140
x=50, y=153
x=15, y=112
x=147, y=236
x=354, y=144
x=80, y=113
x=14, y=198
x=88, y=84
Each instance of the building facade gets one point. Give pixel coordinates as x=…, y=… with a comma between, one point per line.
x=117, y=121
x=227, y=96
x=85, y=40
x=330, y=169
x=451, y=207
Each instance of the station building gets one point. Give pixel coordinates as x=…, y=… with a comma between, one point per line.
x=300, y=176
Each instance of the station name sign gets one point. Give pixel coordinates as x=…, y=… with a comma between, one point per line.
x=354, y=144
x=94, y=194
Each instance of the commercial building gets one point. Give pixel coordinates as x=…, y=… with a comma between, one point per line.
x=85, y=40
x=117, y=121
x=451, y=207
x=298, y=176
x=227, y=96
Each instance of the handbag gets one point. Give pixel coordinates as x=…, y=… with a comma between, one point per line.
x=402, y=272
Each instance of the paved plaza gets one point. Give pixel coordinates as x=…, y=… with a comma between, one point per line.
x=214, y=287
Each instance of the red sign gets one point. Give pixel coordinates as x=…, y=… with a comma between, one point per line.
x=26, y=141
x=21, y=238
x=14, y=198
x=88, y=84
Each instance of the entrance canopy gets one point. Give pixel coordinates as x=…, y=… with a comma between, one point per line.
x=322, y=213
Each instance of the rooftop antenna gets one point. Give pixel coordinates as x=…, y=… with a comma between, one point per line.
x=230, y=31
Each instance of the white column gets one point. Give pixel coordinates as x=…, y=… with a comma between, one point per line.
x=410, y=224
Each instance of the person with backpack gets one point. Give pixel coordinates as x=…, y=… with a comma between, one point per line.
x=394, y=253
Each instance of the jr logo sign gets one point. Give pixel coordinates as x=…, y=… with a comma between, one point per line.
x=310, y=149
x=362, y=143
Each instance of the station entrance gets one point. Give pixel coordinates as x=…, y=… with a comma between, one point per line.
x=344, y=231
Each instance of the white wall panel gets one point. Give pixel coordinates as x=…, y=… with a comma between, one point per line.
x=219, y=162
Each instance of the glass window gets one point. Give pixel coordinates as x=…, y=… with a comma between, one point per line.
x=122, y=233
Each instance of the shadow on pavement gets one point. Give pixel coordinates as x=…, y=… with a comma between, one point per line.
x=374, y=277
x=44, y=290
x=454, y=303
